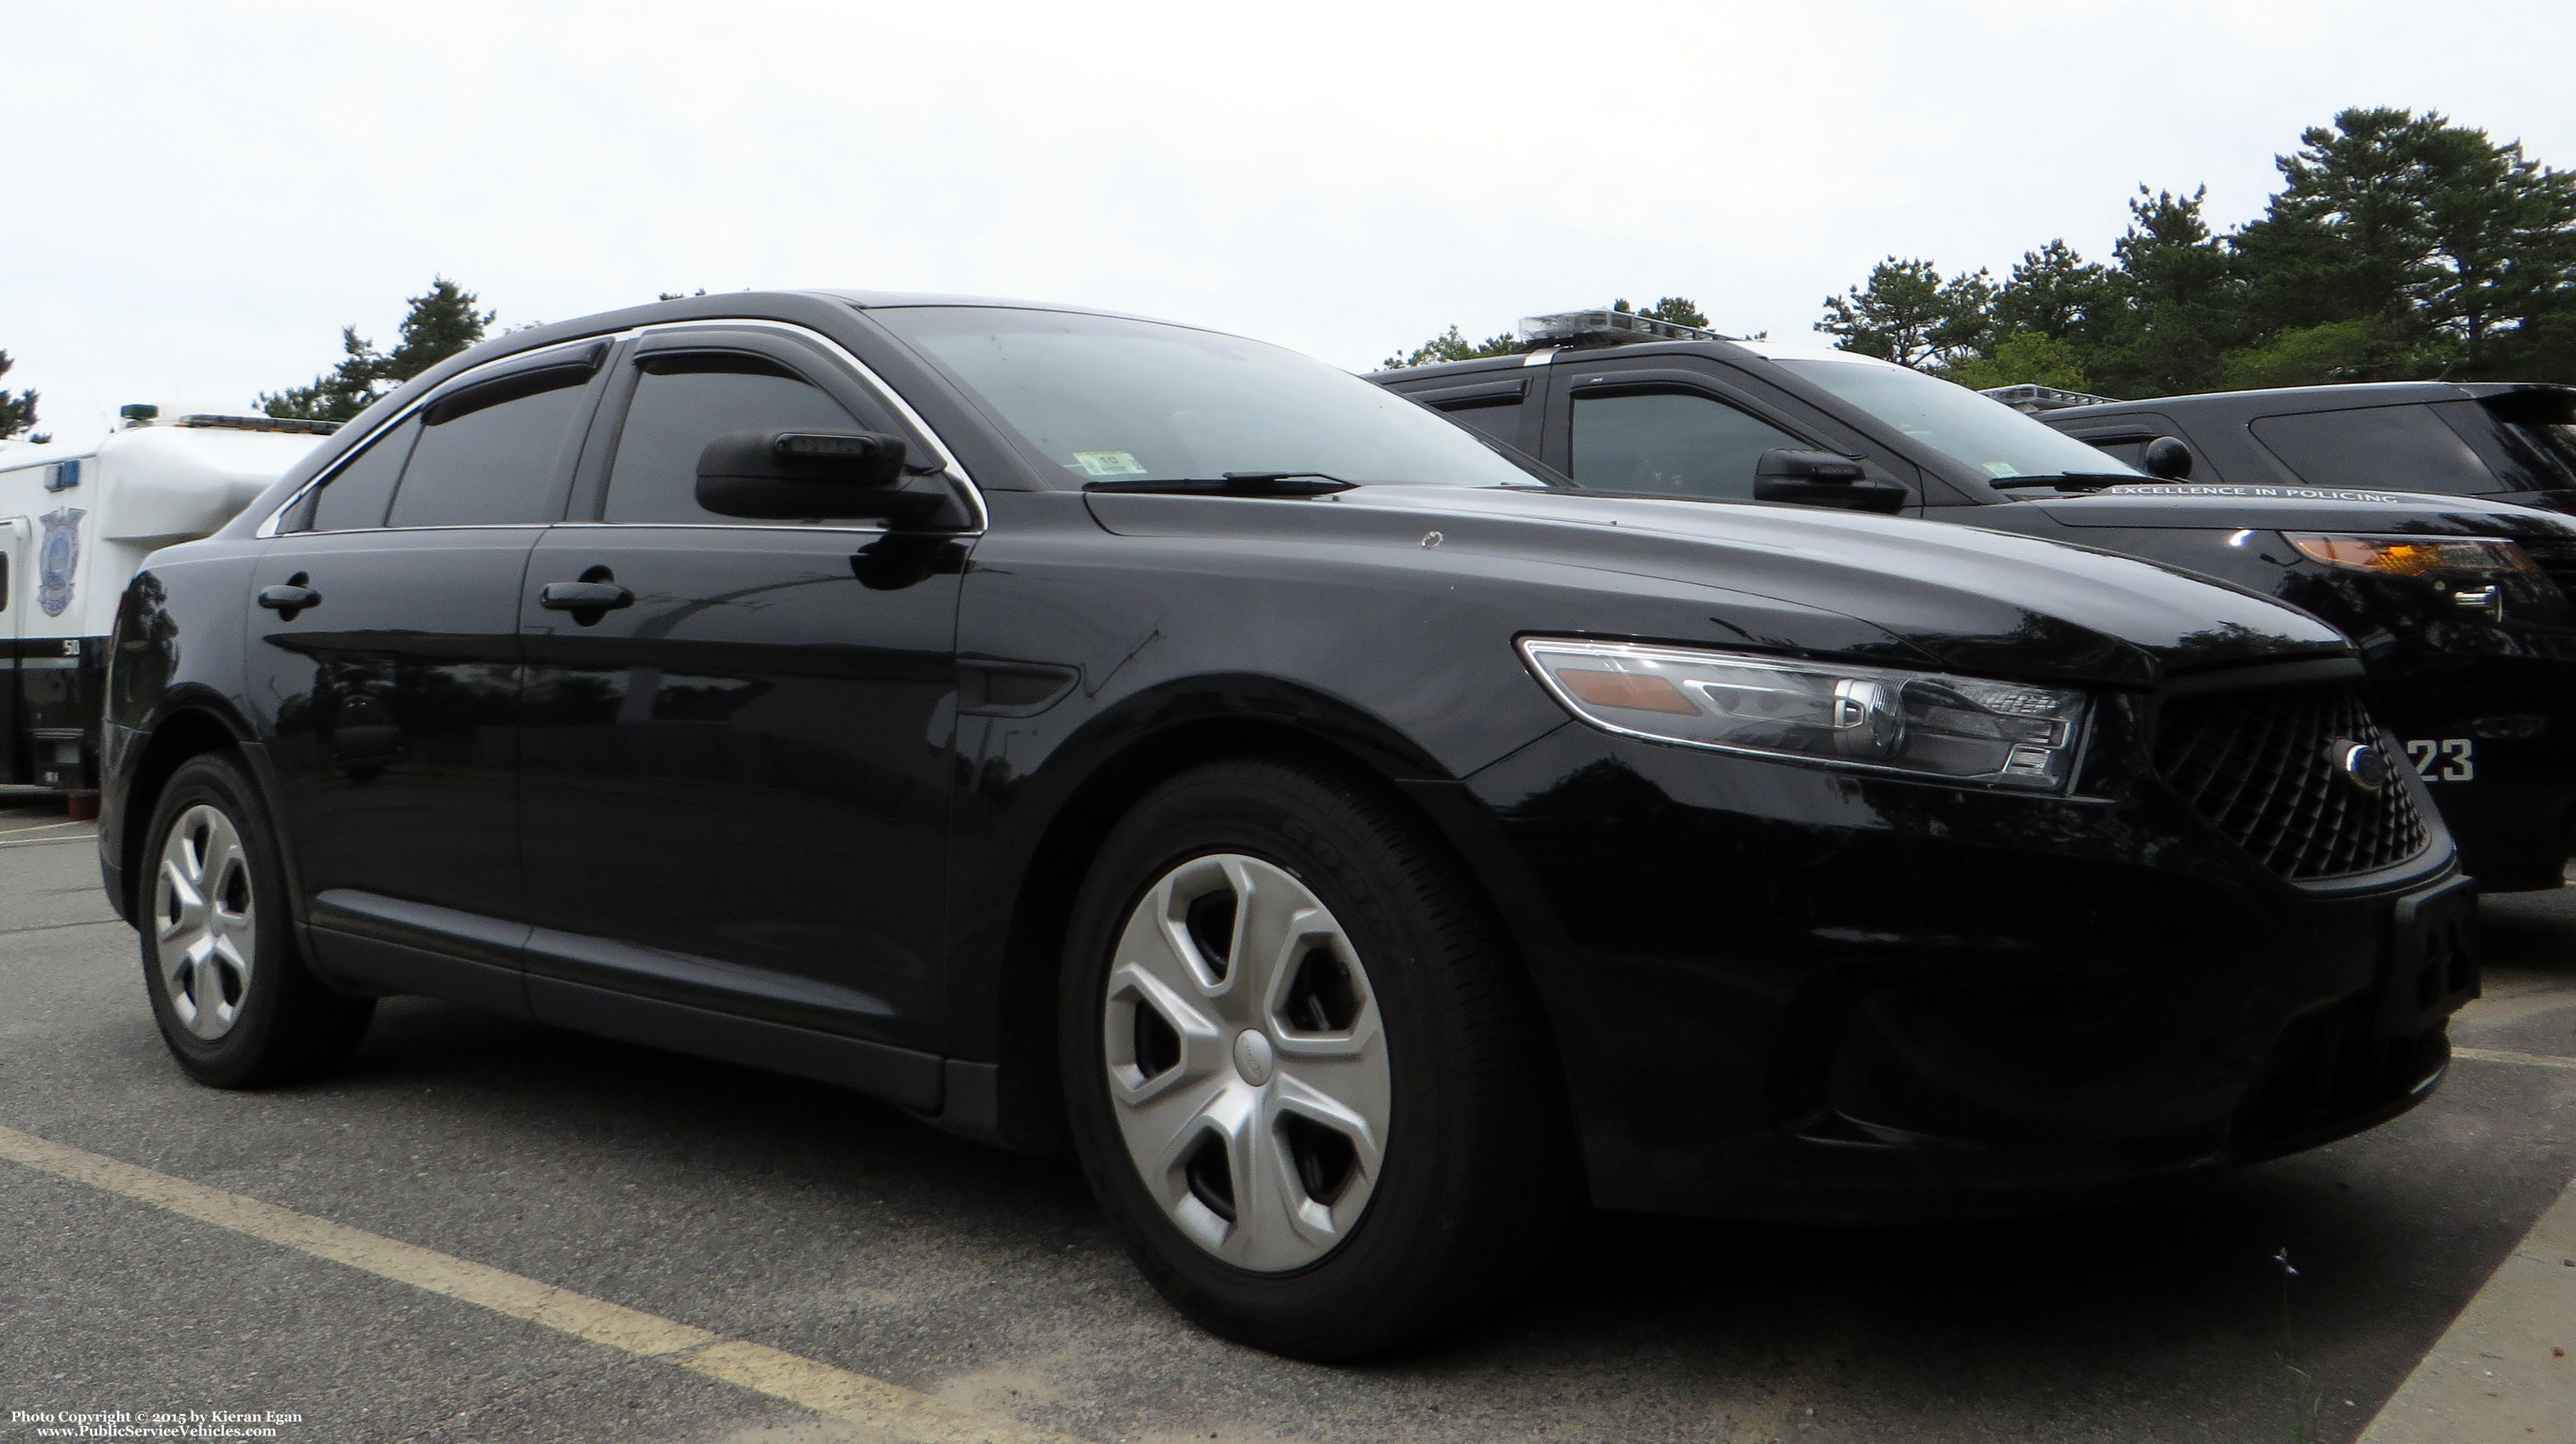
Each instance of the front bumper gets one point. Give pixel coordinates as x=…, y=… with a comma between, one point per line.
x=1787, y=992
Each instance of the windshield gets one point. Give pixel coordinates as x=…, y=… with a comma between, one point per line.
x=1109, y=399
x=1960, y=424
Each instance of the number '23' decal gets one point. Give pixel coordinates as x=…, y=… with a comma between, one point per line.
x=2446, y=759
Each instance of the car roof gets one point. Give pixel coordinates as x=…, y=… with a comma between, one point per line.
x=2290, y=400
x=718, y=306
x=1549, y=355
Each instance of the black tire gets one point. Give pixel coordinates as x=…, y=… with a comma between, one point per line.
x=285, y=1025
x=1478, y=1178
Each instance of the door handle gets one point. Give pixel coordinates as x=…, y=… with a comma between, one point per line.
x=584, y=597
x=289, y=598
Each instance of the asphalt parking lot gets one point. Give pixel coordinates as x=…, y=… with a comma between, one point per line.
x=813, y=1222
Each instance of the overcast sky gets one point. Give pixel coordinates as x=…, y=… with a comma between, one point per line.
x=199, y=196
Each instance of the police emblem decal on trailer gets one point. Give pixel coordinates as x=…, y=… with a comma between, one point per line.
x=58, y=559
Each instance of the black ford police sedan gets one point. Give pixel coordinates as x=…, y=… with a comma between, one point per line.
x=2461, y=604
x=1361, y=847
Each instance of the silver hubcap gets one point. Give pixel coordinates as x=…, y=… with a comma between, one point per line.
x=1247, y=1062
x=204, y=919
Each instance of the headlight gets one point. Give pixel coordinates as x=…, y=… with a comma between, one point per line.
x=1928, y=724
x=2413, y=556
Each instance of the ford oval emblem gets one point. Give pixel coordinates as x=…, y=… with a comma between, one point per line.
x=2362, y=764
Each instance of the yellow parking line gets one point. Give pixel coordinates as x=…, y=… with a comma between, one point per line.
x=2499, y=1055
x=896, y=1413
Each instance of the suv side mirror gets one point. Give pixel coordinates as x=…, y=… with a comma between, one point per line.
x=810, y=475
x=1820, y=478
x=2167, y=457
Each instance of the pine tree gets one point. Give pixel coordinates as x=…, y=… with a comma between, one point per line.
x=2180, y=301
x=1909, y=315
x=441, y=322
x=17, y=413
x=2399, y=245
x=1453, y=345
x=2056, y=293
x=337, y=394
x=2024, y=358
x=1678, y=310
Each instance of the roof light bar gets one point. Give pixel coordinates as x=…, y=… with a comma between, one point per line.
x=2028, y=397
x=259, y=423
x=1608, y=328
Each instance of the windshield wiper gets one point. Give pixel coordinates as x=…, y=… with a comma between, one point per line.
x=2069, y=481
x=1234, y=483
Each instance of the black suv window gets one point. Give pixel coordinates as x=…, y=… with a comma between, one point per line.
x=686, y=400
x=1675, y=442
x=1497, y=419
x=356, y=495
x=2129, y=449
x=2539, y=436
x=487, y=455
x=2394, y=448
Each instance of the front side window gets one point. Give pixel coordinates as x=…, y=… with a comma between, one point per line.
x=357, y=494
x=1110, y=399
x=685, y=400
x=2127, y=450
x=1496, y=421
x=1989, y=437
x=2393, y=448
x=487, y=455
x=1672, y=443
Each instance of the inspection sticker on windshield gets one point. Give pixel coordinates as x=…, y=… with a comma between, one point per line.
x=2293, y=493
x=1108, y=463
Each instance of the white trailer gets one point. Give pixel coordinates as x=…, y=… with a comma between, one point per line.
x=76, y=521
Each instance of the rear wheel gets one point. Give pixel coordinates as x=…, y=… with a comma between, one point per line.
x=1308, y=1083
x=234, y=1003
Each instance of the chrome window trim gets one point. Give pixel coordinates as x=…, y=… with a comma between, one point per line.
x=893, y=400
x=739, y=526
x=440, y=526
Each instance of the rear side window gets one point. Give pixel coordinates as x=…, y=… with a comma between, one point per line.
x=2391, y=448
x=357, y=494
x=684, y=401
x=1671, y=442
x=2538, y=432
x=487, y=455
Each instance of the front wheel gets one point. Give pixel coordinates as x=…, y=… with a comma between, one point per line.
x=234, y=1003
x=1310, y=1086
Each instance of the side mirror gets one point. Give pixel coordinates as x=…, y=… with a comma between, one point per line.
x=1820, y=478
x=2167, y=457
x=810, y=475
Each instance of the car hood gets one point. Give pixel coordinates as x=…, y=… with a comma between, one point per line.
x=2300, y=508
x=1962, y=598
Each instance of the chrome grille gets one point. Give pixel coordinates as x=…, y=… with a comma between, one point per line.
x=2260, y=765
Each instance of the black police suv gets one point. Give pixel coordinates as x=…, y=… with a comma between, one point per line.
x=2460, y=604
x=2497, y=441
x=1361, y=847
